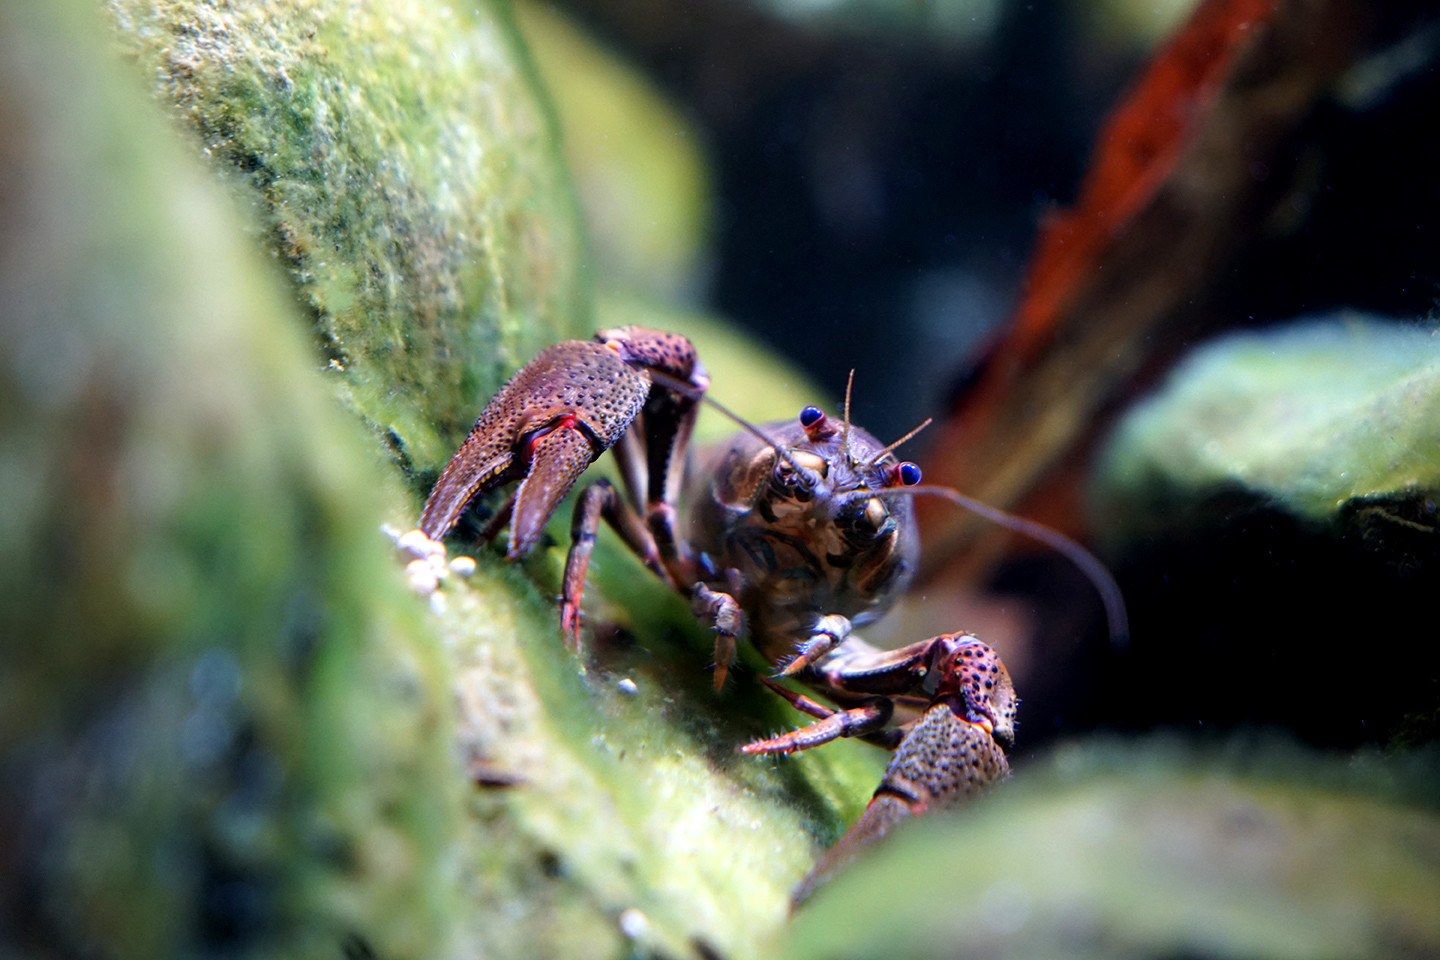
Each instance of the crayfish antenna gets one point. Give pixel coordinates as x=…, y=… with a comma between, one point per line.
x=905, y=439
x=1089, y=564
x=670, y=383
x=845, y=434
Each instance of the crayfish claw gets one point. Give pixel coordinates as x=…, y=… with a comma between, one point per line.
x=942, y=759
x=574, y=386
x=556, y=461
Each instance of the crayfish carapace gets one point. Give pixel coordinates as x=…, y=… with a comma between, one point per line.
x=796, y=533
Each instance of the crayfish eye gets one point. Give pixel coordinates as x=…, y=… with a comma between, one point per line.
x=816, y=424
x=909, y=474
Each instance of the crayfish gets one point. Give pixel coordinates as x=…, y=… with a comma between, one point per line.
x=795, y=534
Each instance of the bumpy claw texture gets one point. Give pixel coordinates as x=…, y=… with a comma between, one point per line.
x=943, y=759
x=651, y=348
x=579, y=389
x=556, y=461
x=974, y=675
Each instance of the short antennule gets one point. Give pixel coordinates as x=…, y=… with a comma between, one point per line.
x=1089, y=564
x=905, y=439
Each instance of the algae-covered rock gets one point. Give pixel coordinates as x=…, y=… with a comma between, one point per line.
x=1269, y=508
x=637, y=160
x=224, y=727
x=405, y=172
x=1108, y=850
x=629, y=815
x=1314, y=419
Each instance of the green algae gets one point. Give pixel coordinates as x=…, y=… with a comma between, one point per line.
x=638, y=162
x=404, y=169
x=1108, y=849
x=262, y=741
x=625, y=801
x=224, y=724
x=1313, y=418
x=226, y=727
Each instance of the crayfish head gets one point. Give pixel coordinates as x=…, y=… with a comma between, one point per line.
x=803, y=474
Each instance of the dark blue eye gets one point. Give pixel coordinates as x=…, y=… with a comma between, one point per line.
x=909, y=474
x=811, y=416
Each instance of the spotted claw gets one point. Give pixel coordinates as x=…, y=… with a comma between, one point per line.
x=544, y=427
x=942, y=759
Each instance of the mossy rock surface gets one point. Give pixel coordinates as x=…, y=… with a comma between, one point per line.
x=1318, y=419
x=1155, y=849
x=224, y=725
x=638, y=162
x=404, y=169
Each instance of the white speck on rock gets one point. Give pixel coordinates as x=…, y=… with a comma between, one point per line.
x=421, y=577
x=417, y=544
x=633, y=923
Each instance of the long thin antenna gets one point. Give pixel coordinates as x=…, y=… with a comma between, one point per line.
x=845, y=436
x=695, y=393
x=882, y=454
x=1089, y=564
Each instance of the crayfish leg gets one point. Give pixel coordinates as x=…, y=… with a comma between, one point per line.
x=831, y=631
x=798, y=700
x=727, y=622
x=600, y=500
x=867, y=718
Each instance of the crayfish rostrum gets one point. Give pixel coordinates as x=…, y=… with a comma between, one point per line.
x=795, y=533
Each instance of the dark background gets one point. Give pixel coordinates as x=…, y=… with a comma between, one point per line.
x=879, y=192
